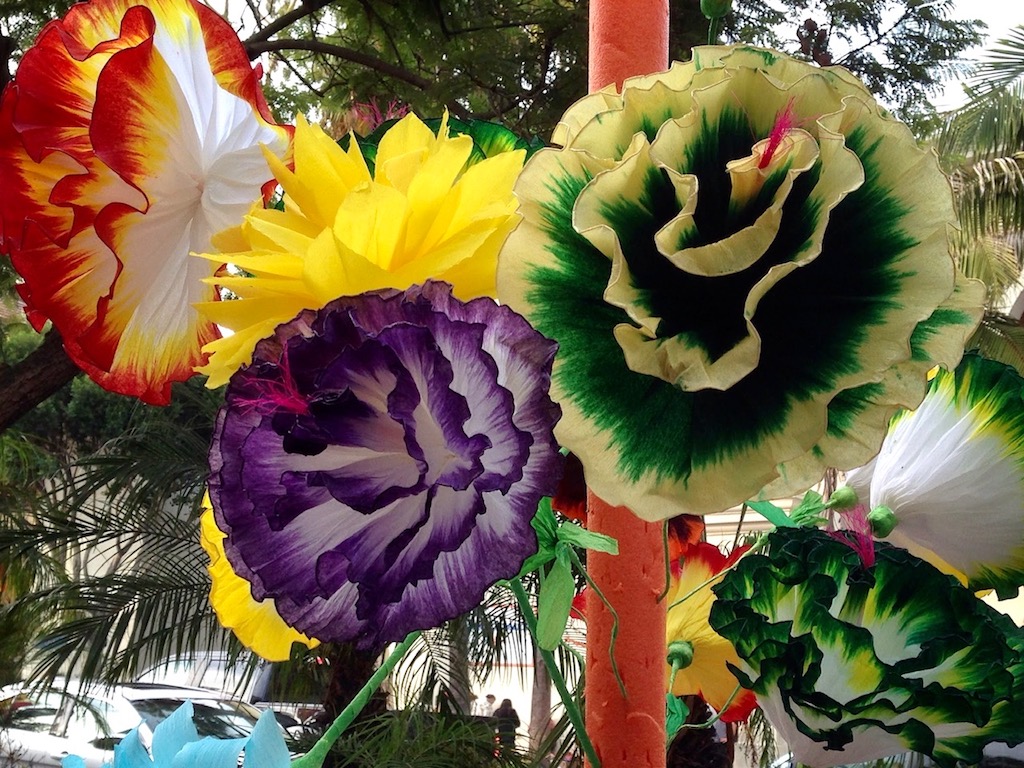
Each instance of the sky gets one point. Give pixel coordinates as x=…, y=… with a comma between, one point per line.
x=1001, y=16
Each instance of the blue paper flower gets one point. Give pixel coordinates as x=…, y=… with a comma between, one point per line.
x=176, y=744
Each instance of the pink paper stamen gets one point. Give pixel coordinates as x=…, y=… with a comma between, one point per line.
x=785, y=121
x=276, y=396
x=856, y=533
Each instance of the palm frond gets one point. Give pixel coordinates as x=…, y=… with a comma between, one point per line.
x=990, y=197
x=988, y=126
x=117, y=565
x=994, y=261
x=1003, y=64
x=424, y=739
x=1000, y=338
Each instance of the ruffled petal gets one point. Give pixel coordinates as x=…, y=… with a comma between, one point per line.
x=146, y=144
x=743, y=258
x=690, y=599
x=852, y=663
x=257, y=624
x=431, y=205
x=378, y=466
x=958, y=459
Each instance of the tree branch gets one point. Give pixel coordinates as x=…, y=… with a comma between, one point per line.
x=304, y=9
x=356, y=57
x=341, y=52
x=29, y=382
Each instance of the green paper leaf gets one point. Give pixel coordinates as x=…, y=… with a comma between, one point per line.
x=676, y=714
x=557, y=590
x=571, y=533
x=546, y=526
x=808, y=511
x=773, y=514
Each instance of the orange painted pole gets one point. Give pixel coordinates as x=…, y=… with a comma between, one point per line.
x=627, y=732
x=627, y=37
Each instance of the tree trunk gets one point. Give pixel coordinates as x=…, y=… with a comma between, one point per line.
x=540, y=701
x=27, y=383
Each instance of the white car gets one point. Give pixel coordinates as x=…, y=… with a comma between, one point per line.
x=260, y=684
x=41, y=726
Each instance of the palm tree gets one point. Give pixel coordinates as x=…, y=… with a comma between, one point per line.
x=982, y=147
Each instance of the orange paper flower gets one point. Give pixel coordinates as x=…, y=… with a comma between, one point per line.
x=130, y=135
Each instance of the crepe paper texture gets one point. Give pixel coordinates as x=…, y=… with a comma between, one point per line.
x=955, y=466
x=176, y=744
x=131, y=134
x=689, y=601
x=431, y=204
x=257, y=624
x=852, y=663
x=377, y=467
x=744, y=261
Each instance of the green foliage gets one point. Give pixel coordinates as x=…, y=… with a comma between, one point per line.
x=904, y=50
x=422, y=739
x=522, y=62
x=982, y=148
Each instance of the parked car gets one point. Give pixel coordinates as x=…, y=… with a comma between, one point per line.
x=40, y=726
x=293, y=690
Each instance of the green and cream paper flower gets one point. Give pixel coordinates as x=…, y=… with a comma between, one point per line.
x=744, y=262
x=852, y=662
x=956, y=461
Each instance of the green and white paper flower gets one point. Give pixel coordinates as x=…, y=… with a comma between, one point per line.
x=952, y=471
x=744, y=262
x=852, y=663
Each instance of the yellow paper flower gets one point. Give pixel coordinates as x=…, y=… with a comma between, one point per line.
x=424, y=211
x=708, y=675
x=257, y=624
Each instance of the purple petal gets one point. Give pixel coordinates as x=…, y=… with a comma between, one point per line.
x=376, y=469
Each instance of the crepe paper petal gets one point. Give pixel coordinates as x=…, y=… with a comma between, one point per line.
x=853, y=663
x=571, y=497
x=131, y=134
x=744, y=262
x=708, y=674
x=683, y=532
x=489, y=139
x=176, y=744
x=579, y=605
x=257, y=624
x=958, y=460
x=266, y=748
x=377, y=467
x=424, y=210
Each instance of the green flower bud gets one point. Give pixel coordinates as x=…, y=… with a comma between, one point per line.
x=843, y=498
x=883, y=521
x=680, y=654
x=715, y=9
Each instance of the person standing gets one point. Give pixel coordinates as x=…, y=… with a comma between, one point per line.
x=507, y=722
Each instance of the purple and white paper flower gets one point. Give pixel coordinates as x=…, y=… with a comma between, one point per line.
x=377, y=466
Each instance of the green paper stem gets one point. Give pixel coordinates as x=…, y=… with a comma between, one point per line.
x=571, y=708
x=708, y=723
x=316, y=756
x=615, y=621
x=713, y=27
